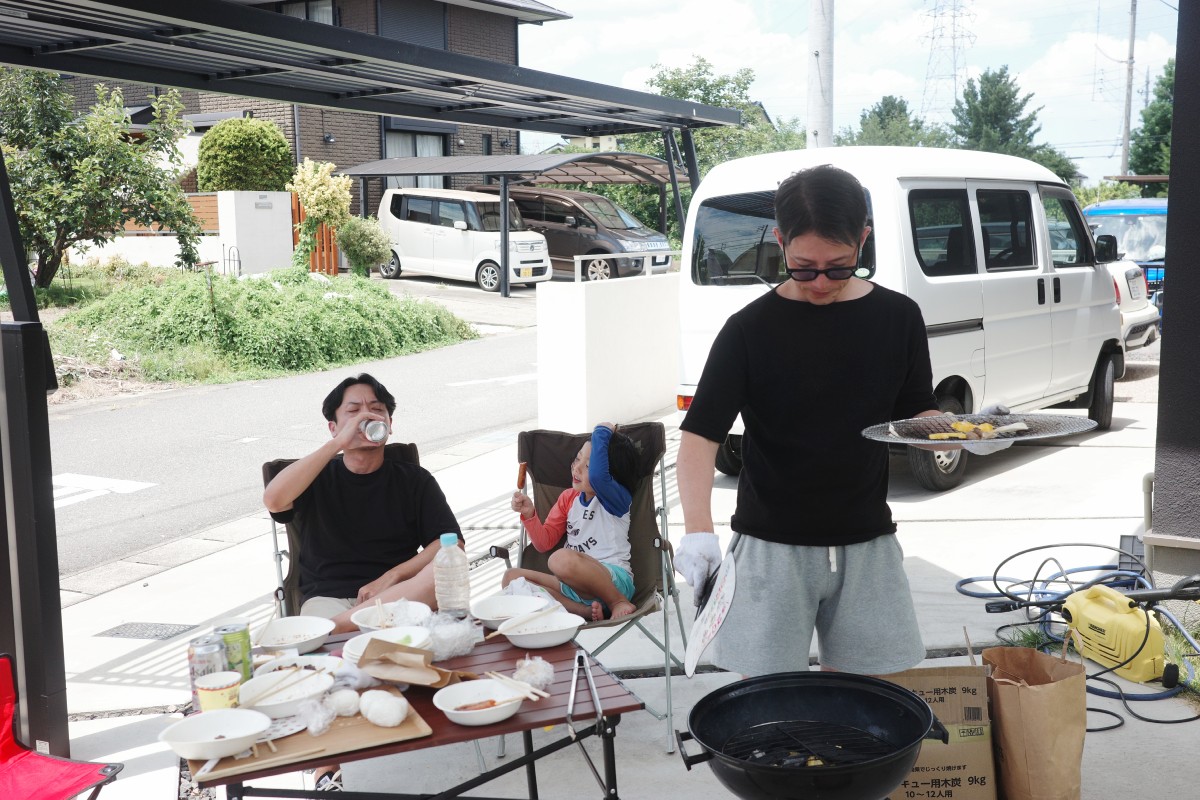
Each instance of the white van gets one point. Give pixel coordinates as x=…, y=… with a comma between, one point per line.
x=455, y=234
x=1011, y=317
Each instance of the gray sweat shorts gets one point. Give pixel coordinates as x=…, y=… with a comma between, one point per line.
x=860, y=608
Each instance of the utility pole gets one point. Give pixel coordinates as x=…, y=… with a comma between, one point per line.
x=820, y=74
x=1128, y=88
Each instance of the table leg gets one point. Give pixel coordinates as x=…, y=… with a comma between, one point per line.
x=608, y=735
x=530, y=768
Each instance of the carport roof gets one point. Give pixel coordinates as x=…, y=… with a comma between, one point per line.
x=544, y=168
x=223, y=47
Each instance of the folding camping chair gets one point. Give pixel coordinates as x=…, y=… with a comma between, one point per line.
x=287, y=595
x=26, y=774
x=548, y=456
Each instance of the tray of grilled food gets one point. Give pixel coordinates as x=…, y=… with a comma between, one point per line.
x=958, y=428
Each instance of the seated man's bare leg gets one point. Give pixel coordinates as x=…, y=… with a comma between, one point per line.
x=419, y=587
x=549, y=583
x=591, y=580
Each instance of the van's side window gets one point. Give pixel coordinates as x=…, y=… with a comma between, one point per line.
x=420, y=209
x=397, y=207
x=1067, y=230
x=942, y=232
x=531, y=209
x=450, y=212
x=557, y=211
x=1007, y=220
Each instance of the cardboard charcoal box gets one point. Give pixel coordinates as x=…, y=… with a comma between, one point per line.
x=962, y=769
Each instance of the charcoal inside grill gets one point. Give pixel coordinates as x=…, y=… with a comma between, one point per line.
x=800, y=743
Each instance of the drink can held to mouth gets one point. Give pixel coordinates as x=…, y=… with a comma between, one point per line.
x=376, y=430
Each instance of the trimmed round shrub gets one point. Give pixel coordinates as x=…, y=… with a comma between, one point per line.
x=365, y=244
x=244, y=154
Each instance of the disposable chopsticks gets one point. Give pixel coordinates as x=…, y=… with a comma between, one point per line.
x=284, y=684
x=530, y=692
x=527, y=618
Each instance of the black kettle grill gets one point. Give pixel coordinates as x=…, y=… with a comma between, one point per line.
x=810, y=736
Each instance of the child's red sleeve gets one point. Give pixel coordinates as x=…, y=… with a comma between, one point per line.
x=545, y=535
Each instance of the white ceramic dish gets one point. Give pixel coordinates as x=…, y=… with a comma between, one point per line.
x=452, y=697
x=305, y=634
x=296, y=686
x=398, y=614
x=545, y=631
x=492, y=611
x=328, y=663
x=411, y=635
x=215, y=734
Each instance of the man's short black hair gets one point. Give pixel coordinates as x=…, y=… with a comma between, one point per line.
x=623, y=460
x=824, y=200
x=330, y=406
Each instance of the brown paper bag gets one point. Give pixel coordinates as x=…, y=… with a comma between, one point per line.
x=1039, y=715
x=399, y=663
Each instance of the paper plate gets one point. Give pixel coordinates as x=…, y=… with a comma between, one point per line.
x=918, y=429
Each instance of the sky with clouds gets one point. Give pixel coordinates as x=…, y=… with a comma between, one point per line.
x=1070, y=54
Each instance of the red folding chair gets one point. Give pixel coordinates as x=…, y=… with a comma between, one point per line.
x=29, y=775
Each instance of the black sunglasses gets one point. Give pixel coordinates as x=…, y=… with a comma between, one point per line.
x=807, y=274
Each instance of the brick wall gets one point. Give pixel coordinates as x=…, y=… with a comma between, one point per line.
x=83, y=89
x=358, y=15
x=491, y=36
x=356, y=140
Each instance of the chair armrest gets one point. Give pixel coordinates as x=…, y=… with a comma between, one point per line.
x=500, y=552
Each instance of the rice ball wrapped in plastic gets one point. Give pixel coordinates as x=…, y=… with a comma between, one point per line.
x=383, y=708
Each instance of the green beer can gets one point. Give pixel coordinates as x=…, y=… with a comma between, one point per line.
x=237, y=647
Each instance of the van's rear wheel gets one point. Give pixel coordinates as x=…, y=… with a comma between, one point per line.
x=1103, y=393
x=939, y=470
x=391, y=269
x=597, y=269
x=729, y=455
x=488, y=276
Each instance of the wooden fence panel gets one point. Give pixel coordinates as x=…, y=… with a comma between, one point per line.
x=324, y=258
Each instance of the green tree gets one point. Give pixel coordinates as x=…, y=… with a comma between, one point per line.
x=1104, y=190
x=890, y=122
x=365, y=243
x=697, y=82
x=1150, y=144
x=991, y=116
x=244, y=154
x=78, y=180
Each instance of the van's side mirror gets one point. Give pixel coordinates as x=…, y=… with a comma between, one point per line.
x=1106, y=248
x=460, y=225
x=571, y=221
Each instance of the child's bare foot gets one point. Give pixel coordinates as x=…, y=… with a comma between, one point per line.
x=597, y=611
x=623, y=609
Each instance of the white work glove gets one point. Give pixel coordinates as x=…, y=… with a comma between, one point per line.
x=987, y=447
x=697, y=557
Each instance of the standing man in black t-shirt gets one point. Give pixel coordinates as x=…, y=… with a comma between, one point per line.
x=808, y=366
x=369, y=527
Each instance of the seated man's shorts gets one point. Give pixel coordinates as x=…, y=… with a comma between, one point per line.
x=327, y=607
x=621, y=578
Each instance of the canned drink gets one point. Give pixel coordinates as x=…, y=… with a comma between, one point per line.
x=206, y=655
x=375, y=430
x=237, y=647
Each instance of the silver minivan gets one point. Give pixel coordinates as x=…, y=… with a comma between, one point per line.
x=583, y=224
x=455, y=234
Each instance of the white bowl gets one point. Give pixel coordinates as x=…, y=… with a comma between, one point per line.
x=215, y=734
x=492, y=611
x=460, y=694
x=545, y=631
x=297, y=686
x=401, y=612
x=328, y=663
x=411, y=635
x=305, y=634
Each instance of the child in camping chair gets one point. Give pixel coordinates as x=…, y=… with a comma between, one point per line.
x=591, y=573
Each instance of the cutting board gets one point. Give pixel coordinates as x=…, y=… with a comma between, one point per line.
x=345, y=735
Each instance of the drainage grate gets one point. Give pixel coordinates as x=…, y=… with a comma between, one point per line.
x=146, y=630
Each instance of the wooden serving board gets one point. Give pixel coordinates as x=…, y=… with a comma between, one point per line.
x=345, y=735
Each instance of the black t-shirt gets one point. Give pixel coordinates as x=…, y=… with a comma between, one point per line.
x=353, y=528
x=807, y=379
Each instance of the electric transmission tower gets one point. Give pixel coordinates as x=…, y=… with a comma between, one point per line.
x=949, y=36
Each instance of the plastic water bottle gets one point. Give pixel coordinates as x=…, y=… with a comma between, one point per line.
x=451, y=581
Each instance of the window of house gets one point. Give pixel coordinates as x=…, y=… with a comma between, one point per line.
x=406, y=144
x=311, y=10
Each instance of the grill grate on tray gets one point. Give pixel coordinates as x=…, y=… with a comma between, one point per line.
x=791, y=743
x=917, y=430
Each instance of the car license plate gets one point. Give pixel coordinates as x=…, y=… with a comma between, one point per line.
x=526, y=272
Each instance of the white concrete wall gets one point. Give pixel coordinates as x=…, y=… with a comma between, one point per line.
x=156, y=250
x=608, y=351
x=259, y=225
